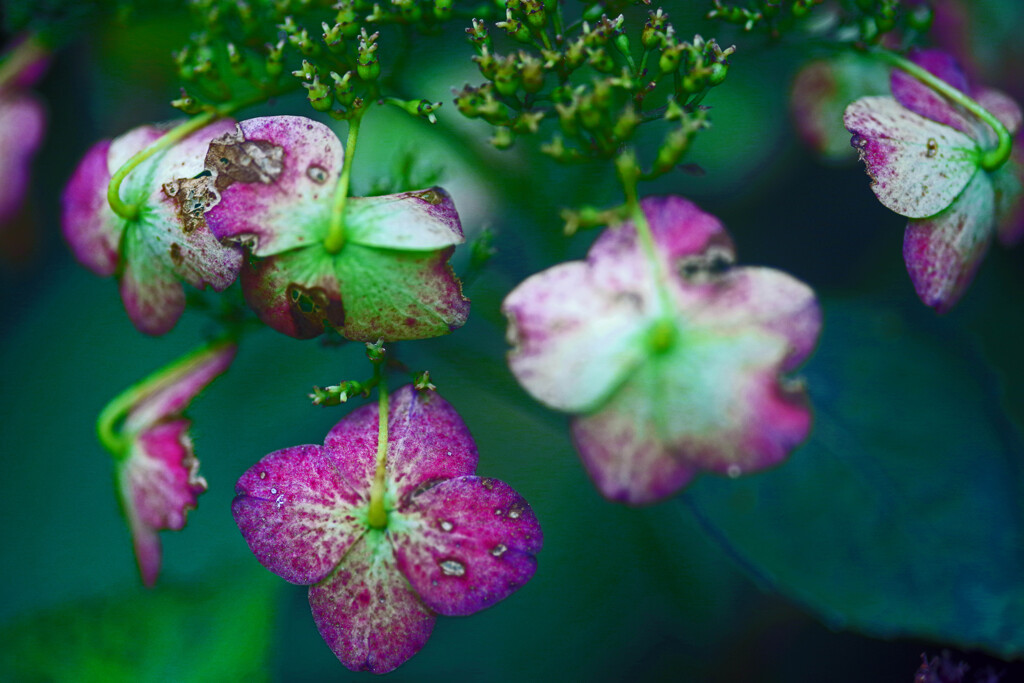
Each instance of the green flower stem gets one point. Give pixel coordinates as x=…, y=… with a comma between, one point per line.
x=336, y=236
x=991, y=159
x=114, y=412
x=130, y=212
x=378, y=515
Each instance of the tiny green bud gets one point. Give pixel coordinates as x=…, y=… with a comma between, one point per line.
x=275, y=57
x=237, y=61
x=717, y=74
x=442, y=9
x=532, y=73
x=654, y=30
x=671, y=57
x=515, y=29
x=600, y=60
x=478, y=35
x=376, y=351
x=319, y=95
x=626, y=124
x=503, y=138
x=346, y=18
x=343, y=89
x=334, y=39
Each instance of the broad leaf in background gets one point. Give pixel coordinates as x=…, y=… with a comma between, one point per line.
x=219, y=631
x=902, y=515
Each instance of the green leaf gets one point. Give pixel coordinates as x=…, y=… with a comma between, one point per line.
x=218, y=631
x=902, y=514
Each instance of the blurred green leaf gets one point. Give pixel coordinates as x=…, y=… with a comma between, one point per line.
x=219, y=631
x=902, y=514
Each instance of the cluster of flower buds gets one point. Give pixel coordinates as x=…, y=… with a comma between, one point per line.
x=772, y=16
x=591, y=81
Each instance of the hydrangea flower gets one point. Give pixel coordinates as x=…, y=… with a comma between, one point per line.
x=390, y=280
x=657, y=395
x=157, y=472
x=22, y=122
x=169, y=241
x=924, y=155
x=454, y=543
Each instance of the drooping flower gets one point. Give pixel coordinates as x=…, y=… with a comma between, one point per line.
x=658, y=394
x=22, y=122
x=924, y=156
x=168, y=242
x=453, y=544
x=391, y=278
x=157, y=472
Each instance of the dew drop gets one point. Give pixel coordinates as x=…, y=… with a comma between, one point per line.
x=452, y=568
x=280, y=501
x=380, y=600
x=273, y=491
x=933, y=148
x=449, y=452
x=498, y=550
x=734, y=471
x=446, y=525
x=497, y=511
x=513, y=514
x=263, y=475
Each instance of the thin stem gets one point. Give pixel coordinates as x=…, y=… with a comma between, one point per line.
x=378, y=515
x=991, y=159
x=336, y=235
x=629, y=174
x=131, y=211
x=117, y=409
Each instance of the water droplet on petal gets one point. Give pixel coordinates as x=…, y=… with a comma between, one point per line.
x=734, y=471
x=380, y=600
x=497, y=511
x=513, y=514
x=263, y=475
x=280, y=501
x=446, y=525
x=449, y=452
x=498, y=550
x=273, y=491
x=452, y=568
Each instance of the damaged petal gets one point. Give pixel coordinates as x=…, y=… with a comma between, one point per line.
x=233, y=159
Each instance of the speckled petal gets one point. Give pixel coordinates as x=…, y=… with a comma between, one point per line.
x=288, y=203
x=920, y=99
x=295, y=510
x=419, y=220
x=574, y=339
x=178, y=385
x=152, y=295
x=366, y=611
x=296, y=292
x=159, y=483
x=22, y=122
x=714, y=401
x=1003, y=107
x=472, y=541
x=820, y=93
x=427, y=443
x=917, y=167
x=87, y=221
x=943, y=252
x=761, y=298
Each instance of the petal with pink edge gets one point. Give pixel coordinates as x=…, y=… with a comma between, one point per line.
x=715, y=401
x=277, y=176
x=296, y=292
x=470, y=542
x=179, y=384
x=295, y=510
x=152, y=295
x=366, y=611
x=21, y=130
x=921, y=99
x=88, y=223
x=418, y=221
x=943, y=253
x=427, y=443
x=917, y=166
x=159, y=483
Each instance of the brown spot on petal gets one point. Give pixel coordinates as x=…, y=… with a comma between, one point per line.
x=933, y=148
x=429, y=196
x=233, y=159
x=192, y=197
x=176, y=253
x=312, y=309
x=704, y=267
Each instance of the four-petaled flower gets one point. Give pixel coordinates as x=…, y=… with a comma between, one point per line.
x=157, y=472
x=924, y=155
x=389, y=276
x=453, y=543
x=168, y=241
x=666, y=375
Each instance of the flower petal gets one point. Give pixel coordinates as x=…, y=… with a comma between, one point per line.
x=367, y=612
x=713, y=401
x=574, y=339
x=427, y=443
x=1003, y=107
x=943, y=252
x=159, y=483
x=1008, y=184
x=283, y=171
x=88, y=223
x=472, y=542
x=762, y=298
x=917, y=166
x=152, y=295
x=296, y=292
x=21, y=130
x=178, y=385
x=295, y=510
x=421, y=220
x=921, y=99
